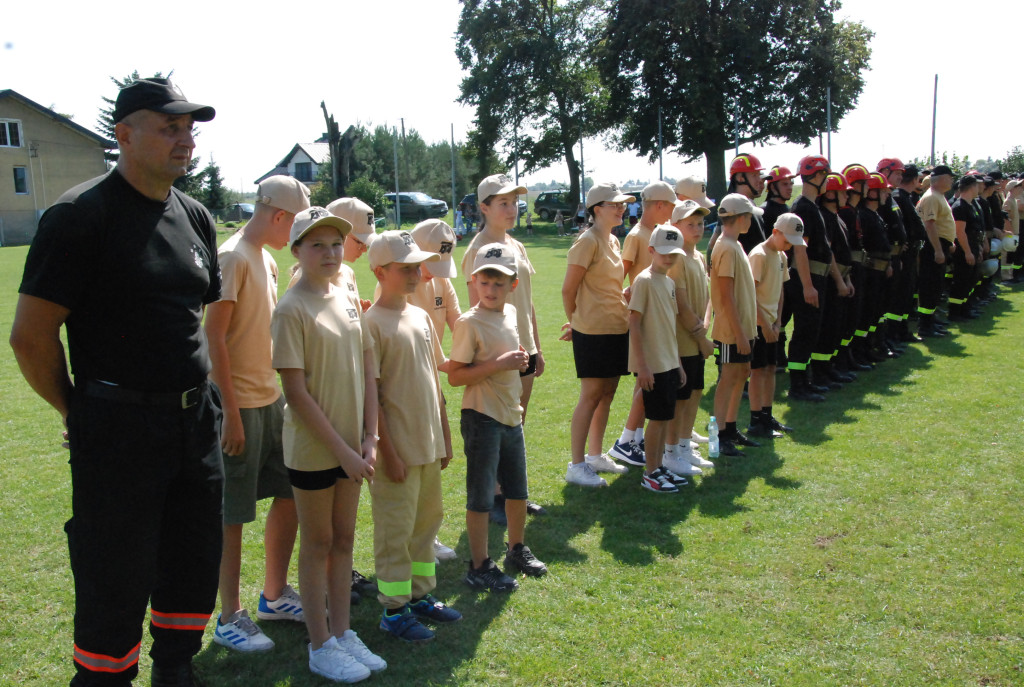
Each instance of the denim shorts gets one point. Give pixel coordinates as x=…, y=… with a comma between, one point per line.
x=493, y=451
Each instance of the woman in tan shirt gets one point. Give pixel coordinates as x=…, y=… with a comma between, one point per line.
x=598, y=328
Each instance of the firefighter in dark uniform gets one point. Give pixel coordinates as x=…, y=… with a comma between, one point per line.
x=875, y=238
x=892, y=313
x=805, y=291
x=967, y=254
x=833, y=339
x=986, y=291
x=906, y=183
x=857, y=180
x=745, y=178
x=779, y=188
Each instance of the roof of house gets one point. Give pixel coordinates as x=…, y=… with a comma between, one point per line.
x=59, y=118
x=317, y=152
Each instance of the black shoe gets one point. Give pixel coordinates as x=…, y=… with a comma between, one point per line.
x=522, y=559
x=805, y=394
x=778, y=426
x=817, y=388
x=177, y=675
x=861, y=365
x=361, y=585
x=910, y=337
x=840, y=377
x=762, y=430
x=497, y=514
x=727, y=448
x=535, y=508
x=490, y=578
x=741, y=439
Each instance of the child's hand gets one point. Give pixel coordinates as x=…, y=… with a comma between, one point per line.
x=743, y=346
x=514, y=360
x=706, y=346
x=771, y=334
x=644, y=378
x=445, y=462
x=566, y=332
x=355, y=466
x=395, y=470
x=365, y=304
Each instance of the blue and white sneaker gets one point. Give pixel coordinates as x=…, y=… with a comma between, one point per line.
x=241, y=634
x=288, y=606
x=627, y=452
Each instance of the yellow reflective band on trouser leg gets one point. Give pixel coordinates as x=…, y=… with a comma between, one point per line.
x=846, y=342
x=799, y=367
x=860, y=332
x=957, y=301
x=423, y=569
x=872, y=329
x=925, y=311
x=403, y=588
x=820, y=357
x=892, y=316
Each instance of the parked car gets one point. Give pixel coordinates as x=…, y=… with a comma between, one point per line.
x=238, y=212
x=417, y=206
x=471, y=200
x=550, y=202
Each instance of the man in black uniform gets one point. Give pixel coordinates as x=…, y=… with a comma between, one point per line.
x=779, y=185
x=833, y=339
x=967, y=256
x=891, y=215
x=875, y=239
x=127, y=263
x=805, y=291
x=856, y=179
x=745, y=178
x=906, y=183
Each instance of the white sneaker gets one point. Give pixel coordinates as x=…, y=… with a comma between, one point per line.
x=241, y=634
x=288, y=606
x=693, y=457
x=680, y=467
x=583, y=475
x=442, y=552
x=334, y=663
x=698, y=438
x=603, y=463
x=351, y=643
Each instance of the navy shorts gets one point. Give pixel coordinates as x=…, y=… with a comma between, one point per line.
x=600, y=355
x=314, y=480
x=727, y=353
x=764, y=354
x=693, y=367
x=660, y=401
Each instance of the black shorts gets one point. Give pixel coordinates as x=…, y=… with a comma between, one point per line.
x=531, y=367
x=693, y=367
x=314, y=480
x=727, y=353
x=763, y=354
x=600, y=355
x=660, y=402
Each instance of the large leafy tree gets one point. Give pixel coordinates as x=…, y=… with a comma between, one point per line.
x=714, y=65
x=532, y=79
x=192, y=182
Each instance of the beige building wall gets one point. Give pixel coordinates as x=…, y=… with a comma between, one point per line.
x=55, y=157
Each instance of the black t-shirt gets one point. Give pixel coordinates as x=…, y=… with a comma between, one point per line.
x=966, y=212
x=835, y=230
x=753, y=236
x=814, y=230
x=772, y=210
x=848, y=214
x=135, y=274
x=874, y=234
x=911, y=220
x=995, y=204
x=891, y=214
x=985, y=212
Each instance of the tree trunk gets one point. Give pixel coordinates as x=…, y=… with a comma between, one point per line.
x=717, y=180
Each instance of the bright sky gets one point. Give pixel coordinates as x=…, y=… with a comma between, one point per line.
x=266, y=70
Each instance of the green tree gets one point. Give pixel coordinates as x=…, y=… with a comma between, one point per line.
x=1013, y=163
x=532, y=79
x=370, y=192
x=214, y=195
x=712, y=65
x=190, y=184
x=957, y=164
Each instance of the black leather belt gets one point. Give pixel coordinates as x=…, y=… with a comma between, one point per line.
x=167, y=399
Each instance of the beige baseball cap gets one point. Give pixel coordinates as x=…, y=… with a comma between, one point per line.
x=666, y=239
x=1012, y=184
x=495, y=256
x=359, y=214
x=696, y=188
x=658, y=190
x=435, y=236
x=397, y=246
x=737, y=204
x=685, y=208
x=311, y=218
x=792, y=227
x=495, y=185
x=606, y=192
x=284, y=193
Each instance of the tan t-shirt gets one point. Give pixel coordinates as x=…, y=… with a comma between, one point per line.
x=634, y=249
x=437, y=297
x=654, y=295
x=406, y=353
x=323, y=336
x=522, y=297
x=249, y=280
x=484, y=335
x=729, y=260
x=770, y=269
x=691, y=274
x=600, y=305
x=934, y=206
x=345, y=279
x=1010, y=208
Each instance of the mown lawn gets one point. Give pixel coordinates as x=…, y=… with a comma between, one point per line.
x=881, y=544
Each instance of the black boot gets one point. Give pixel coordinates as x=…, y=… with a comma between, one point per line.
x=799, y=389
x=176, y=675
x=821, y=378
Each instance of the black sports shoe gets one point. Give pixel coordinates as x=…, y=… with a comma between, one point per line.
x=761, y=429
x=522, y=559
x=490, y=578
x=741, y=439
x=535, y=508
x=361, y=585
x=175, y=675
x=778, y=426
x=727, y=448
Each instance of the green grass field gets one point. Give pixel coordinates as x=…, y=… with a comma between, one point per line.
x=880, y=545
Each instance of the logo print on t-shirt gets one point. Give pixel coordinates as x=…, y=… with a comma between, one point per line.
x=438, y=301
x=197, y=257
x=352, y=314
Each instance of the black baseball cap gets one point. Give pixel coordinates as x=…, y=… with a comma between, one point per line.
x=997, y=175
x=939, y=170
x=158, y=95
x=911, y=170
x=967, y=180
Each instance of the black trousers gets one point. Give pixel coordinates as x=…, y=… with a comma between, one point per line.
x=806, y=319
x=965, y=277
x=833, y=322
x=930, y=276
x=145, y=530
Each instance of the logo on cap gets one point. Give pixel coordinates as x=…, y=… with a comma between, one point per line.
x=671, y=236
x=316, y=214
x=369, y=219
x=504, y=179
x=406, y=238
x=493, y=253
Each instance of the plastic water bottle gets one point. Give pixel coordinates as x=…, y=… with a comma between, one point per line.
x=713, y=437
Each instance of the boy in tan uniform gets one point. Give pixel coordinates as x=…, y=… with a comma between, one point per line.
x=654, y=354
x=415, y=442
x=733, y=299
x=770, y=268
x=238, y=329
x=487, y=358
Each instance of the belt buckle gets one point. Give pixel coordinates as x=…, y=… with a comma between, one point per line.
x=189, y=398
